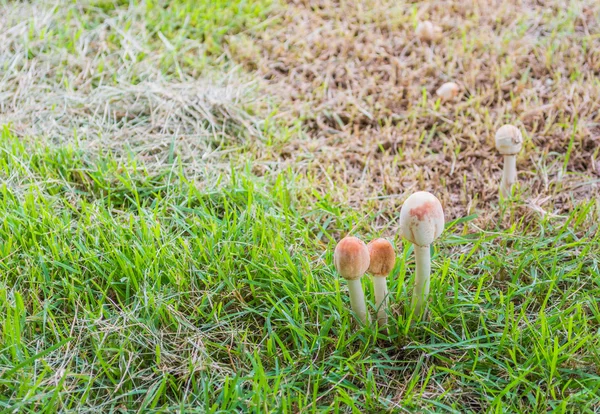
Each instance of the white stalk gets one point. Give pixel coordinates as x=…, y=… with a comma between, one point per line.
x=380, y=285
x=357, y=299
x=422, y=274
x=509, y=175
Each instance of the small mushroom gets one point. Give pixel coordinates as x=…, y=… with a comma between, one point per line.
x=383, y=259
x=351, y=259
x=448, y=91
x=421, y=223
x=509, y=142
x=427, y=31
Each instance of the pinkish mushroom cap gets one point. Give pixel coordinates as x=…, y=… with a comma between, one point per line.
x=351, y=258
x=421, y=218
x=383, y=257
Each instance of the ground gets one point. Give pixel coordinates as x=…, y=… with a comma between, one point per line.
x=174, y=177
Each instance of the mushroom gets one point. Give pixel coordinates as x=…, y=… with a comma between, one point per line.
x=427, y=32
x=421, y=222
x=448, y=91
x=383, y=259
x=351, y=259
x=509, y=142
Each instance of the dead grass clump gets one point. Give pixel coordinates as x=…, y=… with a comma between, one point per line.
x=108, y=89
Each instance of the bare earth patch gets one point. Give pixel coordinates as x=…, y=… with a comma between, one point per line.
x=364, y=87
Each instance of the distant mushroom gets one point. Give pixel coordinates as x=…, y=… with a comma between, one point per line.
x=351, y=259
x=421, y=223
x=509, y=142
x=383, y=259
x=427, y=31
x=448, y=91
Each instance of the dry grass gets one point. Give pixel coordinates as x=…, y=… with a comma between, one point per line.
x=364, y=88
x=79, y=72
x=353, y=73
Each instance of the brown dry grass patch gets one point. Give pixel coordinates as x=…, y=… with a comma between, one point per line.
x=364, y=89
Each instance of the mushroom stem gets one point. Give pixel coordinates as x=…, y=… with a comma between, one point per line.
x=423, y=271
x=357, y=299
x=509, y=142
x=380, y=285
x=509, y=175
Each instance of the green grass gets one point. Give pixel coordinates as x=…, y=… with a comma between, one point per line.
x=149, y=278
x=206, y=20
x=123, y=288
x=182, y=37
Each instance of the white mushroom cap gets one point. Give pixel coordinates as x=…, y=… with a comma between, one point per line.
x=351, y=258
x=425, y=31
x=509, y=140
x=428, y=32
x=448, y=91
x=421, y=218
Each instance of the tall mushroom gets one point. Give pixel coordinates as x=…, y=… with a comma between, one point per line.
x=383, y=259
x=421, y=222
x=351, y=259
x=509, y=142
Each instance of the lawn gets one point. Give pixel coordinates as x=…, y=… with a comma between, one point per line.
x=175, y=175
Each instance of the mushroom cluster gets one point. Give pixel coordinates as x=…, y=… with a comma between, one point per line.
x=421, y=223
